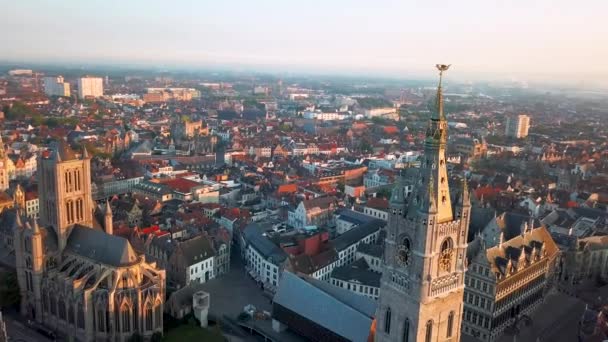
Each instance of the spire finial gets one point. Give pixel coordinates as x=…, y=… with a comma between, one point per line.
x=441, y=68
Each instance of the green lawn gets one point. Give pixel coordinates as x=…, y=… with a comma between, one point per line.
x=190, y=332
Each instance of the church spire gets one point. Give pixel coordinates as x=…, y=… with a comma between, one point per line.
x=434, y=169
x=108, y=224
x=439, y=115
x=397, y=194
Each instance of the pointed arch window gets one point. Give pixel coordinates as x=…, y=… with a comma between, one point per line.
x=45, y=301
x=387, y=321
x=53, y=306
x=61, y=309
x=101, y=318
x=149, y=317
x=71, y=314
x=406, y=330
x=80, y=317
x=450, y=324
x=158, y=313
x=125, y=313
x=428, y=335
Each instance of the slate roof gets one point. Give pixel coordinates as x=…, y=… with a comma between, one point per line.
x=352, y=216
x=371, y=249
x=357, y=233
x=310, y=264
x=357, y=272
x=104, y=248
x=338, y=310
x=196, y=249
x=529, y=243
x=253, y=234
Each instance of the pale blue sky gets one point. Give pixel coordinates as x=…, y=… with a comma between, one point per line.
x=566, y=38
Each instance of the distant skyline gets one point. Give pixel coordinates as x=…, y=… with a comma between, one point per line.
x=534, y=40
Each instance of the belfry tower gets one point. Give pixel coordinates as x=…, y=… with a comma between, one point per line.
x=422, y=285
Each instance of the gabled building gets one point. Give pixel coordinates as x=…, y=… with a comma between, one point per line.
x=316, y=211
x=506, y=281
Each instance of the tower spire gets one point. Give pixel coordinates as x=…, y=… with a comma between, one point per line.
x=108, y=224
x=439, y=101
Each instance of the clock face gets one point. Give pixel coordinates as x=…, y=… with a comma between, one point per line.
x=403, y=255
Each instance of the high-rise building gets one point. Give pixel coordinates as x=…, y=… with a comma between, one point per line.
x=517, y=127
x=422, y=284
x=74, y=278
x=90, y=86
x=55, y=86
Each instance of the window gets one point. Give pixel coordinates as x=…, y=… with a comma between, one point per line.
x=450, y=324
x=149, y=317
x=80, y=317
x=429, y=331
x=158, y=315
x=125, y=314
x=101, y=315
x=406, y=330
x=387, y=321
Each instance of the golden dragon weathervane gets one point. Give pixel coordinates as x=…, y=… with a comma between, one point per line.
x=442, y=68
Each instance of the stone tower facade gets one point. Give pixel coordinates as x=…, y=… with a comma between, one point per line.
x=66, y=199
x=86, y=284
x=4, y=172
x=422, y=285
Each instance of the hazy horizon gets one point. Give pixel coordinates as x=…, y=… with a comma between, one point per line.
x=541, y=40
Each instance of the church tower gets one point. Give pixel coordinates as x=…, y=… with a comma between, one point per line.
x=66, y=200
x=422, y=285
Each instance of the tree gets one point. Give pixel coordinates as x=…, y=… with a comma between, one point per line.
x=156, y=337
x=9, y=290
x=136, y=337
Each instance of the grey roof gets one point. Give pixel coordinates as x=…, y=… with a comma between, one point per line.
x=371, y=249
x=254, y=235
x=196, y=249
x=480, y=217
x=338, y=310
x=97, y=245
x=357, y=272
x=353, y=217
x=357, y=233
x=8, y=221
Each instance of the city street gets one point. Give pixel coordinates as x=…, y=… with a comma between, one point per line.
x=232, y=291
x=561, y=325
x=19, y=332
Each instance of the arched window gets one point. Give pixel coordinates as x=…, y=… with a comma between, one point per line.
x=447, y=244
x=406, y=330
x=149, y=317
x=450, y=323
x=80, y=317
x=45, y=301
x=71, y=314
x=387, y=321
x=158, y=313
x=101, y=324
x=53, y=306
x=125, y=313
x=61, y=309
x=429, y=331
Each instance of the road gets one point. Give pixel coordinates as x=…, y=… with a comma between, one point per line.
x=19, y=332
